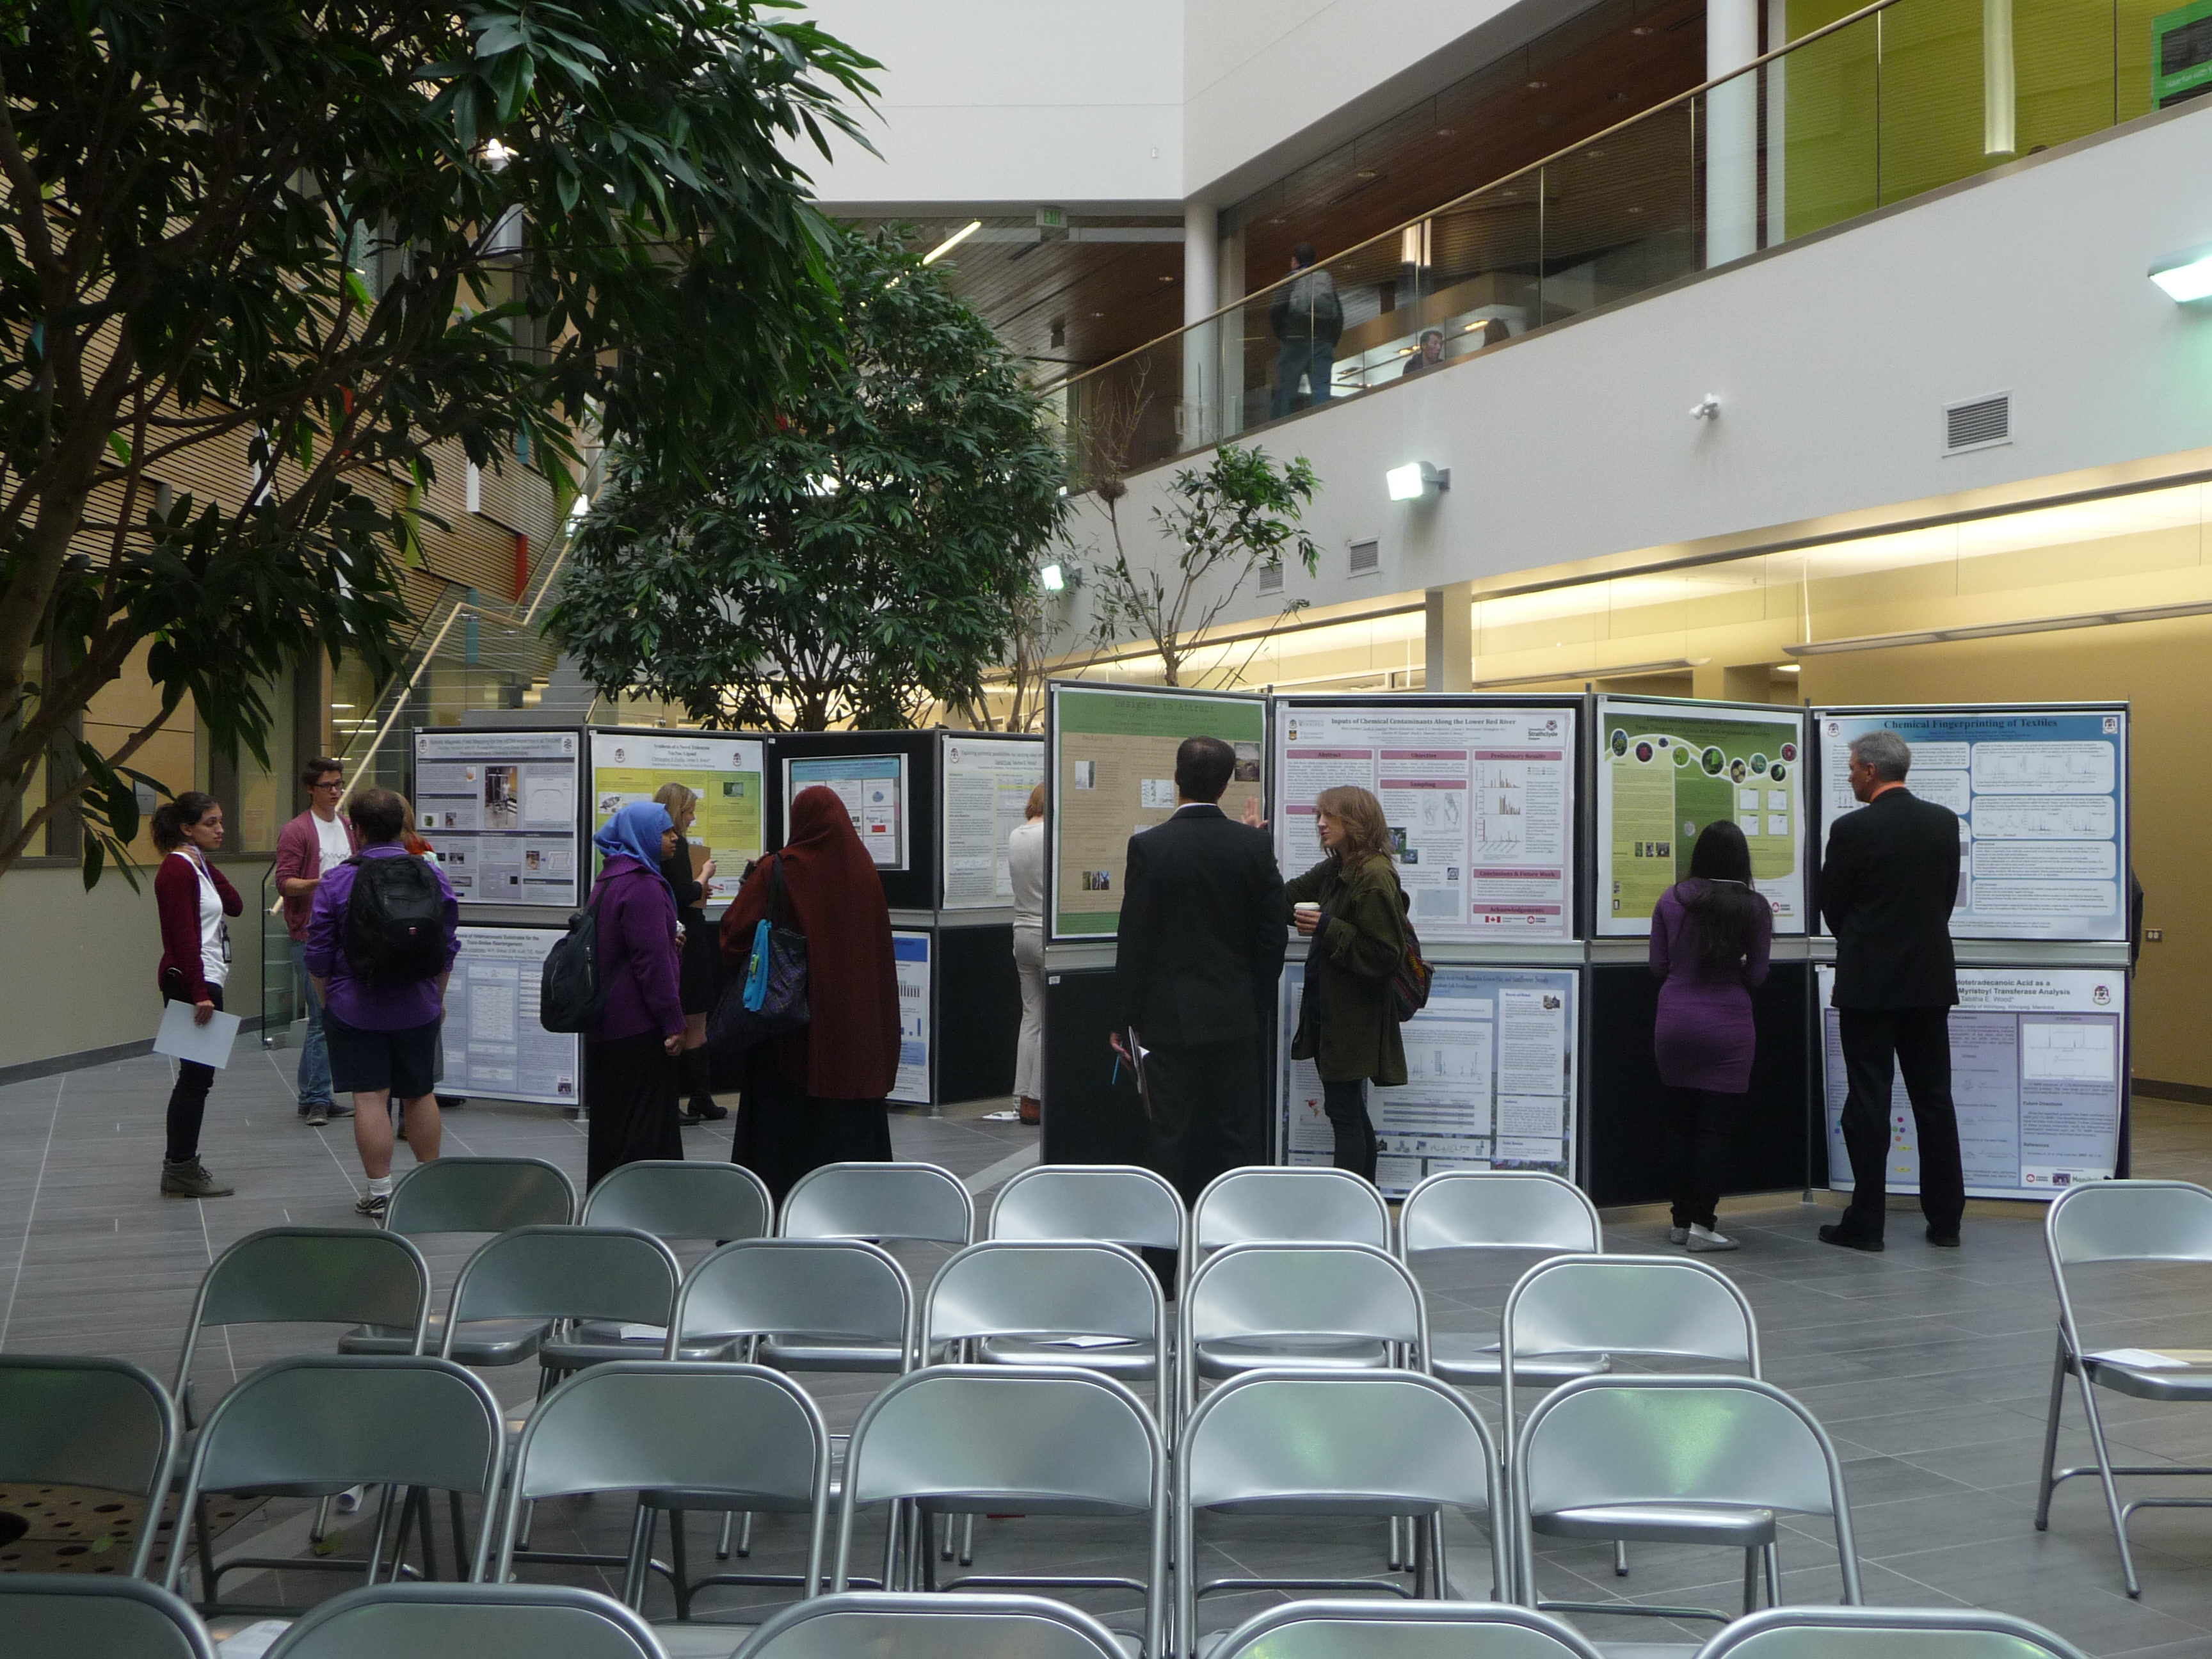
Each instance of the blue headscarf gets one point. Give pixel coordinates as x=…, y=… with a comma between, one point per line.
x=635, y=832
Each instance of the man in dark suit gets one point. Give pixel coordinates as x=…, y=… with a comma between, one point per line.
x=1200, y=955
x=1887, y=885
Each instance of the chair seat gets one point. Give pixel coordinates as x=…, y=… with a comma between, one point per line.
x=597, y=1344
x=485, y=1342
x=828, y=1353
x=1115, y=1359
x=2150, y=1381
x=1022, y=1504
x=1233, y=1358
x=1463, y=1357
x=1740, y=1526
x=726, y=1503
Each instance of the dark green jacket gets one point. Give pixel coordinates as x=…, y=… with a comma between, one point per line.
x=1344, y=1022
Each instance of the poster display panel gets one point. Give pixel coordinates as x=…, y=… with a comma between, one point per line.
x=873, y=789
x=910, y=959
x=1665, y=771
x=986, y=784
x=1480, y=802
x=1113, y=775
x=726, y=772
x=494, y=1044
x=499, y=810
x=1490, y=1070
x=2042, y=799
x=2037, y=1058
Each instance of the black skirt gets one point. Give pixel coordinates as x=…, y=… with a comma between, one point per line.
x=630, y=1088
x=699, y=971
x=783, y=1131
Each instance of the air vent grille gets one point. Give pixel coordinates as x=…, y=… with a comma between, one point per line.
x=1366, y=558
x=1271, y=579
x=1978, y=423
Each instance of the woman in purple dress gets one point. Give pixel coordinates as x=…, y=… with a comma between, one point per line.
x=1710, y=936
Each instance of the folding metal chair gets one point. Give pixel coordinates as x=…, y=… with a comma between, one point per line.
x=1269, y=1204
x=1900, y=1633
x=484, y=1621
x=860, y=1627
x=1099, y=1203
x=321, y=1423
x=72, y=1614
x=978, y=1439
x=1053, y=1301
x=68, y=1421
x=883, y=1203
x=1395, y=1444
x=1675, y=1460
x=1332, y=1307
x=564, y=1274
x=2121, y=1221
x=1402, y=1630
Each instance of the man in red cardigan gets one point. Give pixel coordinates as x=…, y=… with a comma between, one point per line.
x=317, y=840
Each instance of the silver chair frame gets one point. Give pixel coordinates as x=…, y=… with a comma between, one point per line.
x=312, y=1637
x=71, y=1438
x=1096, y=1204
x=938, y=1627
x=1795, y=1633
x=795, y=1221
x=1213, y=1221
x=1462, y=1630
x=149, y=1601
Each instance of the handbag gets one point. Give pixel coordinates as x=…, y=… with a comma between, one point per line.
x=1409, y=982
x=769, y=999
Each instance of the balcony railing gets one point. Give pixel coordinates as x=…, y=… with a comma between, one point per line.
x=1872, y=108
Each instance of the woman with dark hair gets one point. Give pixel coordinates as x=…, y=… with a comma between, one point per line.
x=192, y=900
x=700, y=969
x=1710, y=936
x=629, y=1056
x=816, y=1095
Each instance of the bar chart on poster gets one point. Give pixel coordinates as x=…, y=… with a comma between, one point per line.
x=725, y=772
x=494, y=1045
x=987, y=783
x=2037, y=1060
x=499, y=810
x=910, y=959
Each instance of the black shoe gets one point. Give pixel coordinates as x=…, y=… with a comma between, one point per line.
x=450, y=1102
x=1850, y=1241
x=1943, y=1240
x=703, y=1109
x=338, y=1109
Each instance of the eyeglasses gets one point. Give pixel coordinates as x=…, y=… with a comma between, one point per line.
x=328, y=783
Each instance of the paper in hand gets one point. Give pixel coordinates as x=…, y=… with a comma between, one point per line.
x=182, y=1038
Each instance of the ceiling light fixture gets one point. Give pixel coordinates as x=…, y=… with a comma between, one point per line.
x=951, y=242
x=1416, y=479
x=2186, y=275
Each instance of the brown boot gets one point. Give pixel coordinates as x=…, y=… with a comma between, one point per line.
x=1032, y=1109
x=189, y=1179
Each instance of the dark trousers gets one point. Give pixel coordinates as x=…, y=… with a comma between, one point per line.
x=1346, y=1106
x=1208, y=1110
x=1314, y=360
x=1878, y=1042
x=188, y=1099
x=1704, y=1121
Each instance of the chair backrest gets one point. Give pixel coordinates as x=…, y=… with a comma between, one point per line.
x=1886, y=1633
x=481, y=1195
x=1258, y=1204
x=67, y=1421
x=1105, y=1203
x=1049, y=1288
x=44, y=1613
x=566, y=1273
x=1379, y=1629
x=351, y=1419
x=1607, y=1440
x=2130, y=1221
x=916, y=1201
x=675, y=1198
x=1498, y=1210
x=484, y=1621
x=846, y=1289
x=932, y=1626
x=1256, y=1293
x=1655, y=1306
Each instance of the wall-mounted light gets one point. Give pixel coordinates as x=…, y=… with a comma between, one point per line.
x=1411, y=482
x=2186, y=275
x=951, y=242
x=1053, y=577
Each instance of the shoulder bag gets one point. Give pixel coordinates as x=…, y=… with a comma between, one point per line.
x=770, y=1000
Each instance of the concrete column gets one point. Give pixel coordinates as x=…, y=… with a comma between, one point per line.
x=1201, y=350
x=1448, y=635
x=1731, y=132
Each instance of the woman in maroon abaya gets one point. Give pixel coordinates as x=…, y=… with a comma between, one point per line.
x=817, y=1097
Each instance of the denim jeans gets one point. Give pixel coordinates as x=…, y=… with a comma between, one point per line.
x=1315, y=360
x=315, y=1054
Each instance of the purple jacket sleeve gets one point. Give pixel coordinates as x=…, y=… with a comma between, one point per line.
x=1758, y=957
x=324, y=914
x=649, y=938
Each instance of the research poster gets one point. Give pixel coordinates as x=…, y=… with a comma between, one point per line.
x=873, y=789
x=2037, y=1058
x=726, y=773
x=1665, y=771
x=494, y=1044
x=1113, y=775
x=986, y=784
x=499, y=810
x=2042, y=799
x=1490, y=1068
x=1480, y=802
x=910, y=959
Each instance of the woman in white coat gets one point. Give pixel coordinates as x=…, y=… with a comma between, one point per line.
x=1025, y=861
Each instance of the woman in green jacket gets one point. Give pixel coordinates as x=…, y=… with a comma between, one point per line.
x=1355, y=915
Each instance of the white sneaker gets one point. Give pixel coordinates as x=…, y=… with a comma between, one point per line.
x=1704, y=1238
x=1677, y=1234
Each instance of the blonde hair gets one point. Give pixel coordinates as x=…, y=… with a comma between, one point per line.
x=1366, y=832
x=1036, y=808
x=678, y=800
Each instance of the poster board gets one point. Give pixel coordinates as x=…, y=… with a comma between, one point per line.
x=874, y=790
x=2042, y=797
x=2038, y=1061
x=1479, y=797
x=984, y=783
x=910, y=959
x=1112, y=774
x=727, y=772
x=1667, y=768
x=494, y=1044
x=499, y=810
x=1491, y=1078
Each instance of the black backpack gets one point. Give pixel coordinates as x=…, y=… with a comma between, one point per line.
x=395, y=922
x=569, y=995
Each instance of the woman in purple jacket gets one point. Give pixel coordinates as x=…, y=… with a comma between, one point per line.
x=1710, y=937
x=629, y=1056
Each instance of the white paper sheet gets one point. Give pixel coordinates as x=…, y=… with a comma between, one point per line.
x=182, y=1038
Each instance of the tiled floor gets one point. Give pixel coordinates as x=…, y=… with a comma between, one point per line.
x=1929, y=1369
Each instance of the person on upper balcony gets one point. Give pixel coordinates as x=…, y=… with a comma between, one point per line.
x=1307, y=319
x=1431, y=355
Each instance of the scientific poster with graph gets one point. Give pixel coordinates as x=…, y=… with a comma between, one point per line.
x=495, y=1046
x=1490, y=1068
x=499, y=810
x=1665, y=771
x=910, y=957
x=986, y=783
x=2042, y=799
x=726, y=772
x=2038, y=1059
x=1479, y=798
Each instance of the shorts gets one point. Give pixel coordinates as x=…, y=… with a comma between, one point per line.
x=403, y=1063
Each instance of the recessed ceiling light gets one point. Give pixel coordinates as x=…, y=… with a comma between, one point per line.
x=1616, y=97
x=1538, y=86
x=1643, y=28
x=1367, y=172
x=1636, y=210
x=1099, y=314
x=1445, y=132
x=1595, y=154
x=1167, y=279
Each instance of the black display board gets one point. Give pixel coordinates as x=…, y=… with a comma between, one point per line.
x=979, y=1012
x=1092, y=1112
x=915, y=887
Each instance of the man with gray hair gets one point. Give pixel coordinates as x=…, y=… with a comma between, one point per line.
x=1887, y=885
